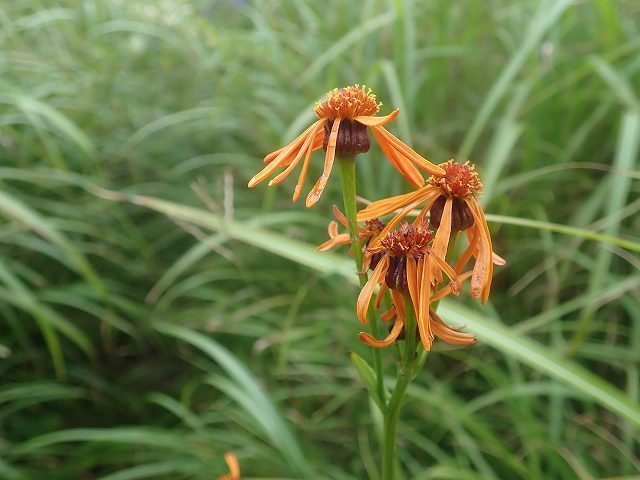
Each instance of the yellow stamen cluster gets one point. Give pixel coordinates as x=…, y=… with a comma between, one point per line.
x=349, y=102
x=460, y=181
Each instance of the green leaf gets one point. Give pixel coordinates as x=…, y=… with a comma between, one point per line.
x=368, y=377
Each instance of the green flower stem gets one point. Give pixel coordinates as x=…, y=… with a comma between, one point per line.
x=348, y=178
x=405, y=375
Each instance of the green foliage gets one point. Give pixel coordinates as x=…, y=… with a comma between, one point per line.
x=156, y=313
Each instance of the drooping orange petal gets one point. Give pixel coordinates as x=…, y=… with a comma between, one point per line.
x=431, y=199
x=316, y=191
x=483, y=267
x=269, y=158
x=497, y=259
x=366, y=260
x=411, y=154
x=448, y=334
x=332, y=229
x=398, y=303
x=450, y=272
x=362, y=305
x=393, y=335
x=389, y=314
x=340, y=239
x=441, y=240
x=399, y=161
x=297, y=141
x=388, y=205
x=444, y=291
x=422, y=308
x=317, y=144
x=340, y=216
x=473, y=238
x=373, y=121
x=303, y=149
x=412, y=281
x=383, y=288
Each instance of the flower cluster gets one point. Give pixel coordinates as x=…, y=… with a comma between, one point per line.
x=410, y=263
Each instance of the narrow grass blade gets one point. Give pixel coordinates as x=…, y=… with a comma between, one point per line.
x=542, y=359
x=548, y=13
x=250, y=393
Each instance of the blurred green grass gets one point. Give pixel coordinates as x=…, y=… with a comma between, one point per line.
x=140, y=342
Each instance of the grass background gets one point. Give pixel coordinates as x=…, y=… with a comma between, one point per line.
x=146, y=332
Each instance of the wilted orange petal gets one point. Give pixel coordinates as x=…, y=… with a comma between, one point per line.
x=393, y=334
x=298, y=140
x=340, y=216
x=316, y=191
x=340, y=239
x=497, y=259
x=411, y=154
x=388, y=205
x=372, y=121
x=473, y=239
x=422, y=311
x=483, y=267
x=362, y=305
x=450, y=272
x=403, y=165
x=383, y=288
x=303, y=149
x=305, y=166
x=448, y=334
x=295, y=144
x=441, y=240
x=444, y=291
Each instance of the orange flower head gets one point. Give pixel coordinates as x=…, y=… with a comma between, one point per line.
x=344, y=119
x=405, y=267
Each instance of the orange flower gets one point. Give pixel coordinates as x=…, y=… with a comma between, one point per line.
x=453, y=206
x=234, y=467
x=371, y=229
x=405, y=268
x=341, y=129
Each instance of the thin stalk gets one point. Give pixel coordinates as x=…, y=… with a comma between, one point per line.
x=405, y=375
x=348, y=179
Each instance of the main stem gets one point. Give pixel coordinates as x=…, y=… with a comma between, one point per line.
x=348, y=179
x=405, y=375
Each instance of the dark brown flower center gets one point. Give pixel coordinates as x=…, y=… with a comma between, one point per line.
x=396, y=277
x=461, y=216
x=353, y=137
